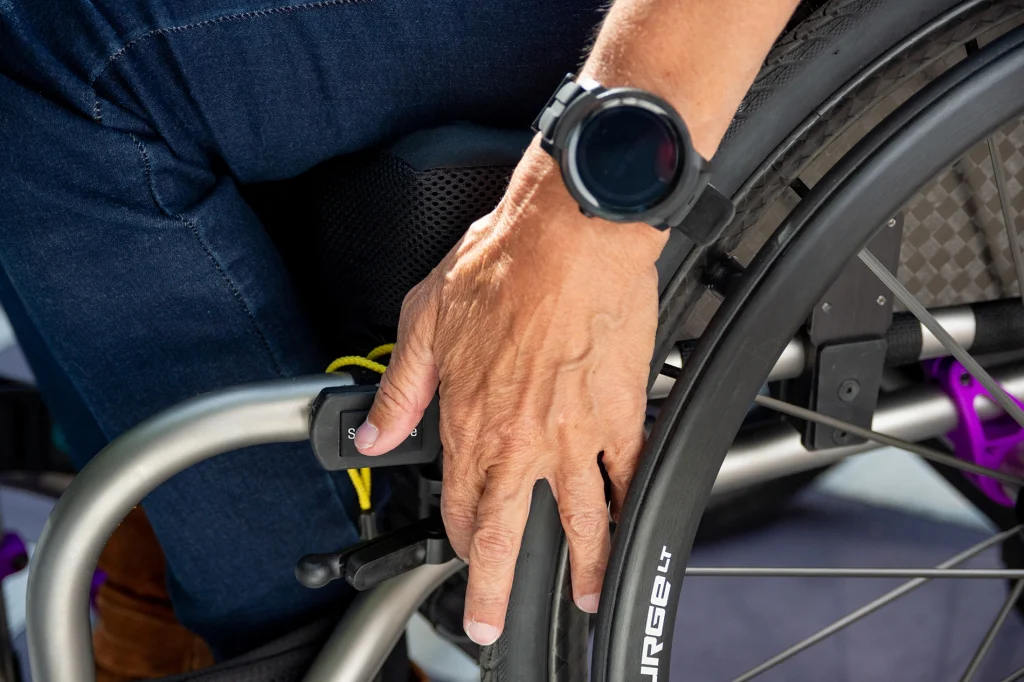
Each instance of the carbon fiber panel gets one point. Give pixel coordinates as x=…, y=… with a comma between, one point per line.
x=955, y=246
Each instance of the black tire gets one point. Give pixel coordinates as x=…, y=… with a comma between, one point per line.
x=826, y=72
x=541, y=609
x=787, y=278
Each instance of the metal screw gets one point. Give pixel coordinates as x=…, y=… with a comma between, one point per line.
x=849, y=389
x=880, y=300
x=891, y=223
x=841, y=437
x=826, y=306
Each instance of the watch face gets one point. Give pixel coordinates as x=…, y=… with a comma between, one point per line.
x=627, y=157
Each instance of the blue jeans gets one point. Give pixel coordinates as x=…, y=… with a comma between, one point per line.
x=136, y=276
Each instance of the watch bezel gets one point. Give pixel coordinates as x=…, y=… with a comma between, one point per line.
x=564, y=143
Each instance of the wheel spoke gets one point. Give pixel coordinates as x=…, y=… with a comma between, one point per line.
x=990, y=636
x=948, y=342
x=1019, y=675
x=873, y=606
x=868, y=434
x=817, y=572
x=1004, y=203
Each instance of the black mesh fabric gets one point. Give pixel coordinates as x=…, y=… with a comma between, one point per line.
x=361, y=231
x=385, y=229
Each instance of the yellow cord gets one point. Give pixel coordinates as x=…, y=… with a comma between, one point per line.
x=361, y=482
x=379, y=351
x=355, y=361
x=361, y=477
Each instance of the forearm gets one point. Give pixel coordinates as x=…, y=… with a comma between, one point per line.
x=700, y=55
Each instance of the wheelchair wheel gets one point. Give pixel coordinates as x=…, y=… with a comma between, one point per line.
x=858, y=108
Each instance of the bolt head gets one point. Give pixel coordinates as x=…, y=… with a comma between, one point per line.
x=880, y=300
x=826, y=306
x=841, y=437
x=848, y=390
x=891, y=223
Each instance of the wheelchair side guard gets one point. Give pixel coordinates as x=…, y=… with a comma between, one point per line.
x=336, y=414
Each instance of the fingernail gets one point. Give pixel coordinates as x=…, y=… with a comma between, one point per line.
x=482, y=633
x=588, y=603
x=366, y=436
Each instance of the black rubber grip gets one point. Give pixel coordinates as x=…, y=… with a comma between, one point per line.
x=903, y=340
x=1000, y=326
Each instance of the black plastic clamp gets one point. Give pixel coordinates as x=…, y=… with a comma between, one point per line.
x=370, y=563
x=337, y=413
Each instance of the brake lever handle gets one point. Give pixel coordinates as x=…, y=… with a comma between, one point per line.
x=370, y=563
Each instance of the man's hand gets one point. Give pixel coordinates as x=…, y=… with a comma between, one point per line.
x=539, y=326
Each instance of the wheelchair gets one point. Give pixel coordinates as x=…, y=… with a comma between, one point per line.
x=866, y=293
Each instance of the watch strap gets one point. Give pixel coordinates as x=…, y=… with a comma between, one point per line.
x=707, y=217
x=568, y=90
x=703, y=219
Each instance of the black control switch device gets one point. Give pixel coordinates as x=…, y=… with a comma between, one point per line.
x=337, y=413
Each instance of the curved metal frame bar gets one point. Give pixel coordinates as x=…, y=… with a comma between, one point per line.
x=118, y=478
x=133, y=465
x=373, y=624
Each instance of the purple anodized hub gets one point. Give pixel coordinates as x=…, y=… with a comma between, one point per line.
x=997, y=443
x=13, y=555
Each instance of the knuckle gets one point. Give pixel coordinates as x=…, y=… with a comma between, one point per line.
x=514, y=440
x=624, y=480
x=413, y=296
x=457, y=518
x=627, y=454
x=494, y=544
x=487, y=599
x=620, y=476
x=586, y=525
x=392, y=399
x=588, y=574
x=628, y=416
x=459, y=431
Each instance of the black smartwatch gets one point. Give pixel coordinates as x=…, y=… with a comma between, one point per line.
x=626, y=156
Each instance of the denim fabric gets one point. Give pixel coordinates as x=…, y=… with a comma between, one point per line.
x=135, y=274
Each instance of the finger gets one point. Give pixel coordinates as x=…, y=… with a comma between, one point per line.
x=460, y=497
x=620, y=462
x=500, y=521
x=584, y=513
x=410, y=381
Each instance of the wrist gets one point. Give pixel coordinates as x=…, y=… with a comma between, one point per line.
x=706, y=118
x=701, y=56
x=538, y=205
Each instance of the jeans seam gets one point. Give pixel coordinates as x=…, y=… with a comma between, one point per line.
x=237, y=16
x=194, y=229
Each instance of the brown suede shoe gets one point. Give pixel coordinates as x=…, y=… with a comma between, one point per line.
x=136, y=636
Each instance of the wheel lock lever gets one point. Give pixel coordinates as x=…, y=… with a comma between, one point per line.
x=370, y=563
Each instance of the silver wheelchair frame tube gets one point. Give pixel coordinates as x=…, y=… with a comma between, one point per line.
x=132, y=466
x=119, y=477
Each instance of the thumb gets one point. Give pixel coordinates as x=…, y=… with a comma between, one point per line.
x=406, y=388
